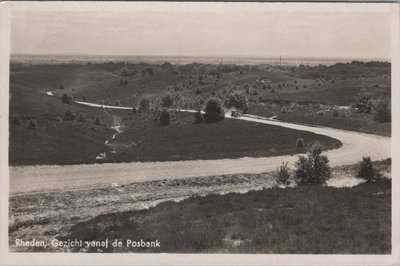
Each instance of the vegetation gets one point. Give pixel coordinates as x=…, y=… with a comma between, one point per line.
x=367, y=171
x=313, y=169
x=300, y=143
x=32, y=124
x=66, y=99
x=382, y=111
x=299, y=220
x=282, y=174
x=144, y=105
x=237, y=100
x=214, y=111
x=198, y=117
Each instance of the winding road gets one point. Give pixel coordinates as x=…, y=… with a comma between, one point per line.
x=27, y=179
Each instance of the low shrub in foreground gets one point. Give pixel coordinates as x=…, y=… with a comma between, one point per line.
x=313, y=169
x=282, y=174
x=367, y=171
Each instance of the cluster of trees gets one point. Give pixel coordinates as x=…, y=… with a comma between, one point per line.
x=381, y=108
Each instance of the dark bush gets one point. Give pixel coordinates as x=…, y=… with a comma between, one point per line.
x=198, y=117
x=382, y=111
x=144, y=105
x=167, y=101
x=68, y=115
x=32, y=124
x=367, y=171
x=61, y=87
x=213, y=111
x=313, y=169
x=84, y=97
x=335, y=113
x=282, y=174
x=66, y=99
x=299, y=143
x=117, y=103
x=164, y=118
x=97, y=121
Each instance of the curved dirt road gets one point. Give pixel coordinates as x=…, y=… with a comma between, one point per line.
x=26, y=179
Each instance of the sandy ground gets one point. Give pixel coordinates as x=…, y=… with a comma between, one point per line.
x=28, y=179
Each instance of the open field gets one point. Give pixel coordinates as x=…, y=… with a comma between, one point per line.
x=283, y=220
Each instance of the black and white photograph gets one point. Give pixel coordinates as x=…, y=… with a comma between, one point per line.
x=183, y=128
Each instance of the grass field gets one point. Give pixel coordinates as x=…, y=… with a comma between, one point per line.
x=300, y=220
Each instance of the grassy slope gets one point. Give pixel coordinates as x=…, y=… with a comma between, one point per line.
x=226, y=139
x=315, y=220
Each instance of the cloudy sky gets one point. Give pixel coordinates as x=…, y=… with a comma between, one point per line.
x=224, y=30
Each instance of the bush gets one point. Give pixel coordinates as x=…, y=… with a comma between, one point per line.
x=335, y=113
x=282, y=174
x=367, y=171
x=214, y=111
x=164, y=118
x=238, y=100
x=198, y=117
x=144, y=105
x=117, y=103
x=299, y=143
x=59, y=119
x=313, y=169
x=32, y=124
x=16, y=121
x=84, y=97
x=97, y=121
x=66, y=99
x=364, y=104
x=61, y=87
x=167, y=101
x=382, y=111
x=68, y=115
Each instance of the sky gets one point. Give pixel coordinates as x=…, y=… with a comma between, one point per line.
x=254, y=31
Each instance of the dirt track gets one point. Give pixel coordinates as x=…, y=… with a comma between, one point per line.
x=26, y=179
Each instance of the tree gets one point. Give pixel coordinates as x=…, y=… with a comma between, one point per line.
x=364, y=104
x=214, y=111
x=238, y=100
x=367, y=171
x=313, y=169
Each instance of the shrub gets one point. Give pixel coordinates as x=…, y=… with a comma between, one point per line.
x=364, y=104
x=167, y=101
x=164, y=118
x=367, y=171
x=335, y=113
x=117, y=103
x=282, y=174
x=66, y=99
x=16, y=121
x=68, y=115
x=59, y=119
x=144, y=105
x=214, y=111
x=61, y=87
x=299, y=143
x=32, y=124
x=198, y=117
x=382, y=111
x=238, y=100
x=84, y=97
x=97, y=121
x=313, y=169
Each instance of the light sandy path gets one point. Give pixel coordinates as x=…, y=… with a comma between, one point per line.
x=25, y=179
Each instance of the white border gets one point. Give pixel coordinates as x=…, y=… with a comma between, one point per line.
x=7, y=258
